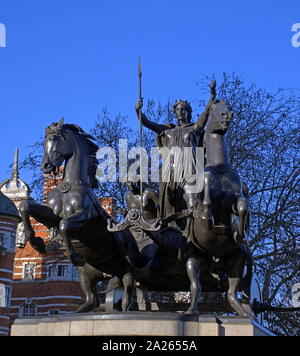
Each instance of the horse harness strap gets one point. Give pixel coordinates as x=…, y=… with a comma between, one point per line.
x=65, y=187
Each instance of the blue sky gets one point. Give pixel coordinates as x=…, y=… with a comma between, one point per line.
x=72, y=58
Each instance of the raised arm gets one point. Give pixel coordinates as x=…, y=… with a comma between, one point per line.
x=200, y=124
x=157, y=128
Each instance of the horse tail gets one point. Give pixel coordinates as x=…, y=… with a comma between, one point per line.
x=247, y=280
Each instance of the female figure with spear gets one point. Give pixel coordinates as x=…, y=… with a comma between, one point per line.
x=175, y=192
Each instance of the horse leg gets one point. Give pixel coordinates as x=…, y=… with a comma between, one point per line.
x=128, y=283
x=89, y=277
x=67, y=227
x=247, y=280
x=242, y=209
x=234, y=284
x=193, y=271
x=240, y=206
x=235, y=268
x=207, y=198
x=42, y=214
x=206, y=213
x=203, y=217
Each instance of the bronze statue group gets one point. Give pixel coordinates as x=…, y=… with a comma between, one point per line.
x=176, y=239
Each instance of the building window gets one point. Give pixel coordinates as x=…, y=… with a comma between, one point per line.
x=51, y=271
x=12, y=242
x=59, y=271
x=8, y=290
x=5, y=296
x=29, y=271
x=28, y=310
x=7, y=241
x=3, y=243
x=53, y=312
x=62, y=270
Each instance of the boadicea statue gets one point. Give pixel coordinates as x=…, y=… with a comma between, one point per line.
x=159, y=256
x=210, y=256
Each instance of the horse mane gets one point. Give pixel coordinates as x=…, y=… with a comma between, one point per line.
x=92, y=149
x=218, y=102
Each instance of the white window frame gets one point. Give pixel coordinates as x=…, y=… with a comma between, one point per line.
x=31, y=310
x=58, y=268
x=32, y=264
x=5, y=295
x=8, y=293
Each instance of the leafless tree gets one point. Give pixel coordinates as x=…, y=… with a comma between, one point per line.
x=264, y=146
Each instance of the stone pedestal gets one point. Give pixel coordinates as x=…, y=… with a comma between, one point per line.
x=137, y=324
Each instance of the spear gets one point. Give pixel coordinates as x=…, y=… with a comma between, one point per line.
x=141, y=133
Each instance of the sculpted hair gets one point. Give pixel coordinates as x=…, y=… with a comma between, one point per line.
x=92, y=150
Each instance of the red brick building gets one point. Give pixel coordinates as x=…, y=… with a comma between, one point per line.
x=9, y=219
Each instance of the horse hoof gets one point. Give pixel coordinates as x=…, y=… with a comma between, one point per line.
x=125, y=308
x=85, y=308
x=244, y=315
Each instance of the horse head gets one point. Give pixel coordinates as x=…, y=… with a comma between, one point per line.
x=67, y=142
x=56, y=148
x=219, y=119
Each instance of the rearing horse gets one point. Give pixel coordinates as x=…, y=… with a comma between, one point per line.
x=220, y=221
x=73, y=208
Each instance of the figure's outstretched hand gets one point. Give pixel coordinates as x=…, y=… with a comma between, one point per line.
x=139, y=105
x=213, y=86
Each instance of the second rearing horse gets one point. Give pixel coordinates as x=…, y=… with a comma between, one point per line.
x=220, y=221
